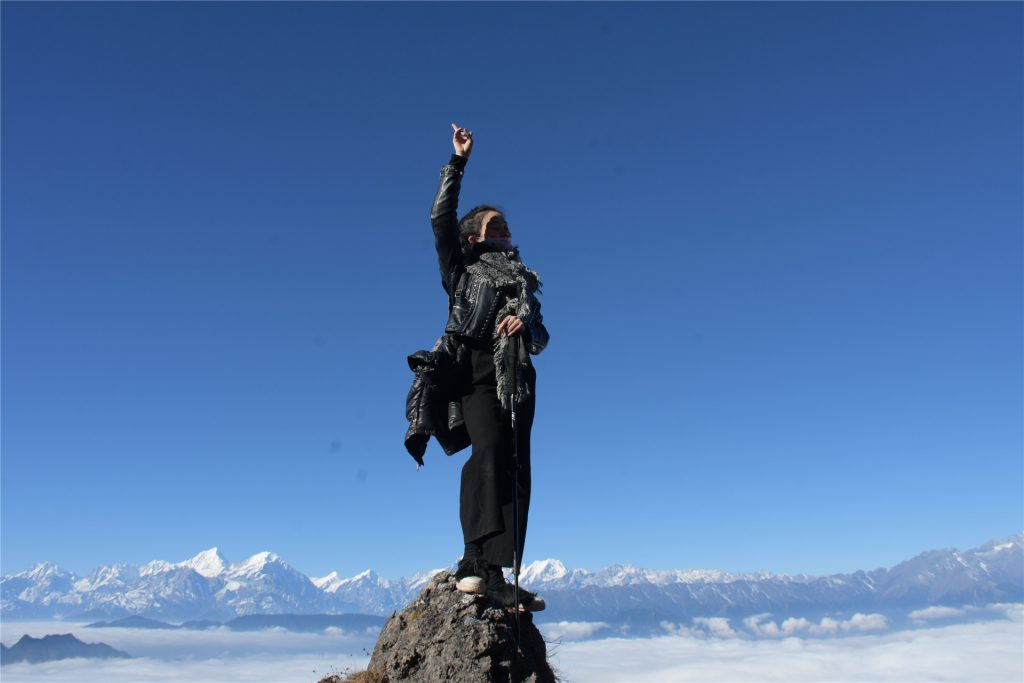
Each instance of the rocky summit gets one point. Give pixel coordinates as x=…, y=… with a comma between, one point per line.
x=445, y=635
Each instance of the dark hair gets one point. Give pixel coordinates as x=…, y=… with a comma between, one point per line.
x=470, y=223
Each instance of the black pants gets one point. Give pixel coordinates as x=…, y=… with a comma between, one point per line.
x=485, y=498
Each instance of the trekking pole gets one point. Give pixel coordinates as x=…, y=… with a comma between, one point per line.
x=515, y=478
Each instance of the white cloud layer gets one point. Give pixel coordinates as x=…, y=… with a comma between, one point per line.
x=209, y=644
x=711, y=650
x=980, y=652
x=567, y=631
x=760, y=626
x=213, y=656
x=255, y=669
x=716, y=626
x=930, y=613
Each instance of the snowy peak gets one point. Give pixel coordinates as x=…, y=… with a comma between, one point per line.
x=255, y=564
x=44, y=571
x=543, y=570
x=622, y=575
x=209, y=563
x=333, y=581
x=329, y=583
x=156, y=567
x=553, y=574
x=363, y=577
x=996, y=547
x=361, y=581
x=111, y=578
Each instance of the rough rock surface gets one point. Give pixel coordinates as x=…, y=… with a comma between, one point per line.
x=445, y=635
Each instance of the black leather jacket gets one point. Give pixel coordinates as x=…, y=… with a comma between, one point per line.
x=472, y=303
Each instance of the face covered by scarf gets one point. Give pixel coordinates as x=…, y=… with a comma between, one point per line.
x=505, y=272
x=500, y=244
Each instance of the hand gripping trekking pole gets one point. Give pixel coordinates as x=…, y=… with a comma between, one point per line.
x=514, y=340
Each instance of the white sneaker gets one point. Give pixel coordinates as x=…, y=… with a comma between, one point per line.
x=469, y=577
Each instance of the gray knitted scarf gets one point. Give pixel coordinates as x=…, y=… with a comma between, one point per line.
x=505, y=272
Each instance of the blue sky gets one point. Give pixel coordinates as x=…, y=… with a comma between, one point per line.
x=781, y=247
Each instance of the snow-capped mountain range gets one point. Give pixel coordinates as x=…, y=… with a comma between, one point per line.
x=208, y=586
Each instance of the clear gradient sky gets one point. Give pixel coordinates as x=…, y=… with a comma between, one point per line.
x=781, y=247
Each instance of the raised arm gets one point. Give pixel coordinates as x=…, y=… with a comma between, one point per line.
x=443, y=214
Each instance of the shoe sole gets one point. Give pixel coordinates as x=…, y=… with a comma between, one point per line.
x=471, y=584
x=536, y=606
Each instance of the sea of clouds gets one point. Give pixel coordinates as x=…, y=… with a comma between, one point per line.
x=860, y=649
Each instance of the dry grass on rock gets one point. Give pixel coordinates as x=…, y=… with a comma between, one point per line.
x=368, y=676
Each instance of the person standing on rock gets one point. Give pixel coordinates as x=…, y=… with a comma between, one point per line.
x=494, y=325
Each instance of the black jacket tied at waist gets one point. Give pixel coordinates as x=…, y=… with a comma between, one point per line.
x=433, y=407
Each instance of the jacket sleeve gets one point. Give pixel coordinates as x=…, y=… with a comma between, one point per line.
x=443, y=218
x=417, y=411
x=538, y=333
